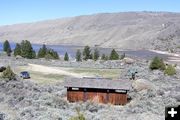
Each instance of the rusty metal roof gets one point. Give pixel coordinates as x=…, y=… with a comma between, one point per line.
x=98, y=83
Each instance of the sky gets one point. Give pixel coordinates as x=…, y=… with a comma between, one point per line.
x=23, y=11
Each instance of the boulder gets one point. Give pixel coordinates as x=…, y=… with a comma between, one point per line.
x=129, y=60
x=142, y=84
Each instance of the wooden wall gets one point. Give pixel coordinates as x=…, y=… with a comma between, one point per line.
x=96, y=95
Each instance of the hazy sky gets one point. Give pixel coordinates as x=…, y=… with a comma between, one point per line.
x=20, y=11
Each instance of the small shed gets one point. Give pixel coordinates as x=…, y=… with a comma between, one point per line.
x=97, y=90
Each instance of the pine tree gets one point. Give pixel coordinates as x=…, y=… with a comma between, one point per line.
x=78, y=56
x=51, y=54
x=103, y=57
x=42, y=52
x=96, y=54
x=27, y=50
x=114, y=55
x=6, y=46
x=66, y=57
x=87, y=53
x=17, y=50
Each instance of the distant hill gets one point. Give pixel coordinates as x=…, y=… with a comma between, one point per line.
x=126, y=30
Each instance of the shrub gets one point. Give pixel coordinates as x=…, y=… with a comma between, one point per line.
x=79, y=116
x=78, y=56
x=170, y=70
x=114, y=55
x=66, y=57
x=157, y=63
x=8, y=74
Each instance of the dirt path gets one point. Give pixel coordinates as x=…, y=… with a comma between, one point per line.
x=174, y=57
x=52, y=70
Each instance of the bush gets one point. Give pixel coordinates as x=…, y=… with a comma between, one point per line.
x=170, y=70
x=8, y=74
x=114, y=55
x=79, y=116
x=157, y=63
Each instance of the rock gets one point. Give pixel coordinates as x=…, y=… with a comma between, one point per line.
x=142, y=84
x=18, y=57
x=128, y=60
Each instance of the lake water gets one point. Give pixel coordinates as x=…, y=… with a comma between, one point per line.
x=61, y=49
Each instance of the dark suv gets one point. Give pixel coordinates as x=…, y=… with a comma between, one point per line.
x=25, y=75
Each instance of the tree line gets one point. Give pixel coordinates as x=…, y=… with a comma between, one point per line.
x=25, y=50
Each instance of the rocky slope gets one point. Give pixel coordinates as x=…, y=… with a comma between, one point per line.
x=149, y=30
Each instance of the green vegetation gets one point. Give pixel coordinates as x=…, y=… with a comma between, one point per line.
x=66, y=57
x=170, y=70
x=123, y=56
x=157, y=63
x=104, y=57
x=87, y=53
x=96, y=54
x=106, y=73
x=42, y=51
x=51, y=54
x=114, y=55
x=7, y=48
x=79, y=116
x=8, y=74
x=78, y=56
x=27, y=50
x=17, y=50
x=47, y=53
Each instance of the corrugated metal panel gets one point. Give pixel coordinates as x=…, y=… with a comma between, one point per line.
x=99, y=84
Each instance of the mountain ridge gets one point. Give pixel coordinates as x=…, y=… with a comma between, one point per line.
x=124, y=30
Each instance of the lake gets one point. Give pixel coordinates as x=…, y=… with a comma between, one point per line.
x=71, y=50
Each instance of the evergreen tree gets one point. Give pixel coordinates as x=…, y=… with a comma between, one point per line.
x=42, y=52
x=27, y=50
x=103, y=57
x=87, y=53
x=17, y=50
x=123, y=56
x=8, y=52
x=66, y=57
x=96, y=54
x=51, y=54
x=6, y=46
x=114, y=55
x=78, y=56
